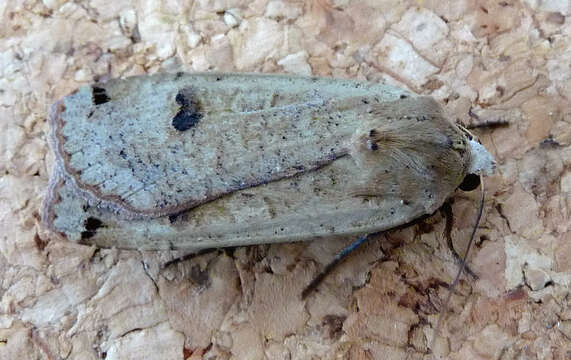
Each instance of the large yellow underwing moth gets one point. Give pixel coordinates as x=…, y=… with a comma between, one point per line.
x=193, y=161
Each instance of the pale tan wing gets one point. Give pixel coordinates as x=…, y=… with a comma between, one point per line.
x=407, y=174
x=154, y=145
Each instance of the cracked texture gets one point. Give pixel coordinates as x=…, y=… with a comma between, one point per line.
x=488, y=61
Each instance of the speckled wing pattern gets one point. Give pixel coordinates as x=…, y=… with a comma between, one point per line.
x=209, y=160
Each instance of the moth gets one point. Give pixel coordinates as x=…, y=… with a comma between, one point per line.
x=209, y=160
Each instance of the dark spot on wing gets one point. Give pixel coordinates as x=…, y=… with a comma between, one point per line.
x=372, y=140
x=184, y=120
x=91, y=225
x=190, y=111
x=99, y=95
x=174, y=218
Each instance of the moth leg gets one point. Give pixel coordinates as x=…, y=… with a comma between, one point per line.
x=186, y=257
x=338, y=258
x=446, y=210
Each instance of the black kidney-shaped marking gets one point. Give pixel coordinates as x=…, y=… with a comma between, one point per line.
x=190, y=111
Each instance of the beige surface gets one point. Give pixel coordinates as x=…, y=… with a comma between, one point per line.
x=504, y=60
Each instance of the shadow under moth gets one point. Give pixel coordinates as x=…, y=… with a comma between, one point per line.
x=209, y=160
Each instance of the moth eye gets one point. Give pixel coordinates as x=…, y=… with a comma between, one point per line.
x=470, y=182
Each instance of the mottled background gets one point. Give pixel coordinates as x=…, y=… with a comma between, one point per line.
x=486, y=61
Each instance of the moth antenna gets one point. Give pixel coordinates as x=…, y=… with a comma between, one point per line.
x=462, y=266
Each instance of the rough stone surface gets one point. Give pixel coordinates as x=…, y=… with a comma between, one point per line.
x=488, y=61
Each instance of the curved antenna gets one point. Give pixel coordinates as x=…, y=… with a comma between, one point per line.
x=462, y=267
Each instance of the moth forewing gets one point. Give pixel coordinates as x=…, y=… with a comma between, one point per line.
x=191, y=161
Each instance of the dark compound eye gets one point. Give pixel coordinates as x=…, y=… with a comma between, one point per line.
x=471, y=182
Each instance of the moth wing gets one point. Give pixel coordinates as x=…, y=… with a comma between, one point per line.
x=373, y=188
x=153, y=146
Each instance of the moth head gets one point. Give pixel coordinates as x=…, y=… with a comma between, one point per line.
x=481, y=163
